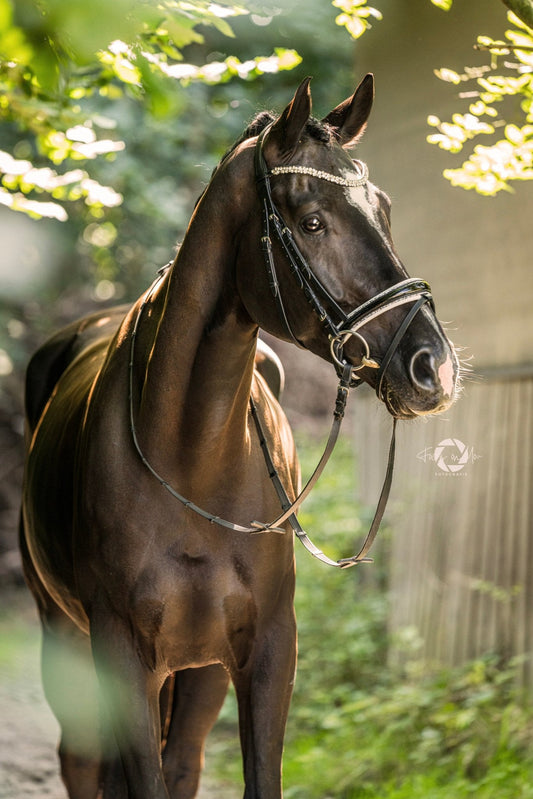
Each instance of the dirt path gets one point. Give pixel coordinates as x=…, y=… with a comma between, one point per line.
x=28, y=730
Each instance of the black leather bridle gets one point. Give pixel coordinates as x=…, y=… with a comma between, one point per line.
x=338, y=326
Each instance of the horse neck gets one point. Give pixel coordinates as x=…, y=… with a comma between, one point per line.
x=199, y=355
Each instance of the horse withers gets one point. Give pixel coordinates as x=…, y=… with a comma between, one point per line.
x=146, y=489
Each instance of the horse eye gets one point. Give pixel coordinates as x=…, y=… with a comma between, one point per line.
x=312, y=224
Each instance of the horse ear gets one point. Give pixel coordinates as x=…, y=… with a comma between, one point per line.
x=283, y=138
x=349, y=119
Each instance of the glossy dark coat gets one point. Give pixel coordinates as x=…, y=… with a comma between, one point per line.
x=147, y=609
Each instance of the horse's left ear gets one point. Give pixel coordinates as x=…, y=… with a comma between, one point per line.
x=282, y=140
x=349, y=119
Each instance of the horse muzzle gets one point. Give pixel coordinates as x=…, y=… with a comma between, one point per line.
x=420, y=382
x=425, y=384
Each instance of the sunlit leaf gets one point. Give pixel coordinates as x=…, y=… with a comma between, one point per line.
x=221, y=71
x=514, y=134
x=520, y=39
x=354, y=25
x=33, y=208
x=514, y=20
x=448, y=75
x=60, y=54
x=354, y=16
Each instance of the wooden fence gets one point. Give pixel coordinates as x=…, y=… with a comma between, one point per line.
x=461, y=513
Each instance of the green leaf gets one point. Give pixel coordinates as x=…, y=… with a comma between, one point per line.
x=514, y=134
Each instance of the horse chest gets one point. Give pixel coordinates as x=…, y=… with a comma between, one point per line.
x=193, y=611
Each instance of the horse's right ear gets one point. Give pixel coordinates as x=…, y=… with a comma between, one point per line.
x=349, y=119
x=283, y=138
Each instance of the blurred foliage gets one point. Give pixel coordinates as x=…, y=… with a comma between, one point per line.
x=500, y=98
x=361, y=727
x=522, y=8
x=56, y=56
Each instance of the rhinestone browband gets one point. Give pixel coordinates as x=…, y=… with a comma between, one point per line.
x=318, y=173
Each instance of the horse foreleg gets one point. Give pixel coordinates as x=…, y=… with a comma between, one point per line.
x=198, y=697
x=130, y=690
x=264, y=690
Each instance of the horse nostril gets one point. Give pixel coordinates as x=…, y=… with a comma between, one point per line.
x=423, y=370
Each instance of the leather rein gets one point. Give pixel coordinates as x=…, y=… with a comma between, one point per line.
x=339, y=327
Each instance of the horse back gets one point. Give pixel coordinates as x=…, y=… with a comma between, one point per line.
x=59, y=379
x=52, y=359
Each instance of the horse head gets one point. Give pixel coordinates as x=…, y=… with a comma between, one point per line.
x=330, y=278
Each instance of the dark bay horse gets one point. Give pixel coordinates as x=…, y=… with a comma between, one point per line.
x=139, y=417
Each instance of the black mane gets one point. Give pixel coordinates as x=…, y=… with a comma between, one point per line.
x=314, y=128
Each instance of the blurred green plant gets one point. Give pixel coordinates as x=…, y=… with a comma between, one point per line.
x=462, y=728
x=444, y=4
x=57, y=57
x=521, y=8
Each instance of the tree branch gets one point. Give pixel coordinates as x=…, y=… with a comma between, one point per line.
x=522, y=8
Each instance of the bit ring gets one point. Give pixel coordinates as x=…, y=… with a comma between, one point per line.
x=337, y=344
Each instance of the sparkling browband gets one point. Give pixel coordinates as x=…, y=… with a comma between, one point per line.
x=317, y=173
